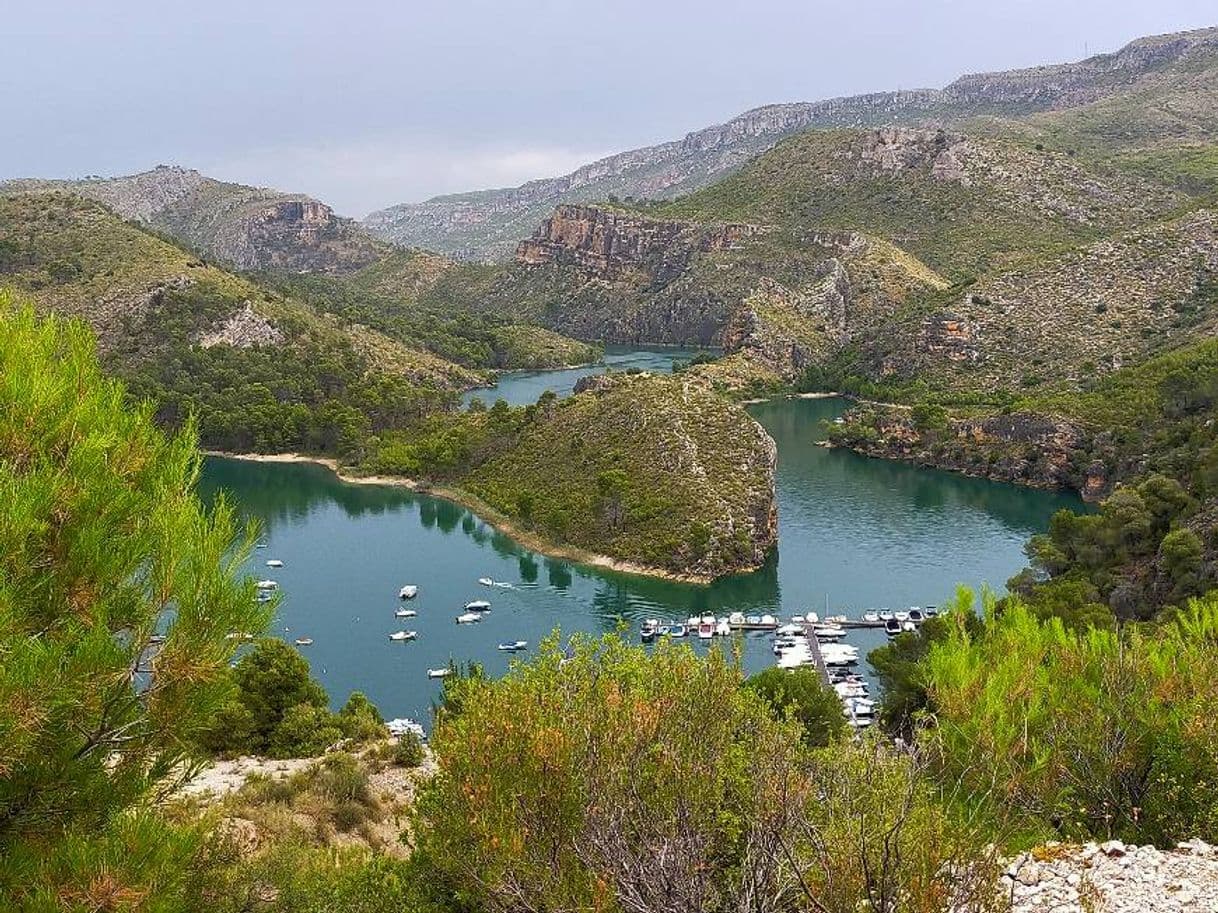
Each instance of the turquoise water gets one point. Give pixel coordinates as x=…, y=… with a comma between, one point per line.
x=520, y=388
x=853, y=531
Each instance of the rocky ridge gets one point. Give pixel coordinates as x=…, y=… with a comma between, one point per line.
x=250, y=228
x=486, y=224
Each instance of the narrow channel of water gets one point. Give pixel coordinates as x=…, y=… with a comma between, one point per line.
x=854, y=533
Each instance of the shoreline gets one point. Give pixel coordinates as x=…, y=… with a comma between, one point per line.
x=525, y=538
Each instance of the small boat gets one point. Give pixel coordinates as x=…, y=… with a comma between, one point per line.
x=408, y=592
x=260, y=545
x=798, y=619
x=266, y=585
x=916, y=615
x=886, y=615
x=835, y=619
x=753, y=620
x=405, y=613
x=871, y=617
x=693, y=621
x=304, y=641
x=736, y=618
x=403, y=635
x=930, y=611
x=706, y=630
x=274, y=562
x=901, y=616
x=672, y=630
x=789, y=630
x=892, y=627
x=264, y=596
x=648, y=629
x=908, y=625
x=769, y=620
x=486, y=581
x=811, y=618
x=438, y=673
x=723, y=628
x=513, y=646
x=829, y=632
x=469, y=618
x=478, y=605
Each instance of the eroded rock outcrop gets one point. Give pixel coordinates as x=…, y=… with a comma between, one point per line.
x=245, y=329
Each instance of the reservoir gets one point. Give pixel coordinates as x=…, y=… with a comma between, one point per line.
x=854, y=533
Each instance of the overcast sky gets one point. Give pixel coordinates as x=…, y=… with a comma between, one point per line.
x=365, y=104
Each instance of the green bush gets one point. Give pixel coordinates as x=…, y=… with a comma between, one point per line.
x=408, y=750
x=800, y=692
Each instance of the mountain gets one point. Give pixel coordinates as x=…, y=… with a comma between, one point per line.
x=248, y=228
x=261, y=370
x=486, y=224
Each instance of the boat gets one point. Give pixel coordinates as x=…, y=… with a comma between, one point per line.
x=402, y=725
x=513, y=646
x=405, y=613
x=408, y=592
x=403, y=635
x=478, y=605
x=811, y=618
x=908, y=626
x=769, y=620
x=916, y=615
x=648, y=629
x=753, y=620
x=260, y=545
x=930, y=611
x=723, y=628
x=304, y=641
x=486, y=581
x=798, y=619
x=901, y=616
x=706, y=630
x=789, y=630
x=264, y=596
x=672, y=630
x=438, y=673
x=829, y=632
x=469, y=618
x=266, y=585
x=885, y=614
x=835, y=619
x=736, y=618
x=892, y=627
x=693, y=621
x=274, y=562
x=871, y=617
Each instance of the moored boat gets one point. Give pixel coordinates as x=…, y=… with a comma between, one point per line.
x=486, y=581
x=513, y=646
x=403, y=635
x=648, y=629
x=405, y=613
x=871, y=617
x=267, y=585
x=410, y=591
x=706, y=630
x=274, y=562
x=438, y=673
x=469, y=618
x=304, y=641
x=478, y=605
x=916, y=615
x=892, y=627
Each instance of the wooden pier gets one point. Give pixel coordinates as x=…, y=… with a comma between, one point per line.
x=814, y=647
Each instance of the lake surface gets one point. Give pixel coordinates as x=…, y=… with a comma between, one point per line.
x=854, y=532
x=521, y=388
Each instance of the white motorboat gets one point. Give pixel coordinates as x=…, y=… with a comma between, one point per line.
x=901, y=616
x=871, y=617
x=789, y=630
x=478, y=605
x=798, y=619
x=410, y=591
x=486, y=581
x=736, y=618
x=267, y=585
x=405, y=613
x=723, y=628
x=513, y=646
x=908, y=625
x=304, y=641
x=769, y=621
x=648, y=629
x=916, y=615
x=829, y=632
x=438, y=673
x=403, y=635
x=469, y=618
x=892, y=627
x=274, y=562
x=706, y=629
x=835, y=619
x=885, y=614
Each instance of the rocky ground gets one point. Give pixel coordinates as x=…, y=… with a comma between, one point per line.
x=1113, y=877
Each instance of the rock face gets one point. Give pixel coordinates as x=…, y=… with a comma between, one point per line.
x=486, y=224
x=1025, y=448
x=250, y=228
x=607, y=244
x=1113, y=877
x=244, y=329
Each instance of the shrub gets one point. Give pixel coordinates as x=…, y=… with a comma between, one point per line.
x=800, y=692
x=408, y=751
x=304, y=731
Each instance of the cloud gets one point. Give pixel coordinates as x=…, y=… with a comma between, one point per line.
x=357, y=177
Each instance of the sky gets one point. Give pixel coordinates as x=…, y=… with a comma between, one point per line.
x=364, y=104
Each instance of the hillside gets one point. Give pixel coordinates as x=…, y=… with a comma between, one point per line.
x=656, y=474
x=262, y=370
x=249, y=228
x=487, y=223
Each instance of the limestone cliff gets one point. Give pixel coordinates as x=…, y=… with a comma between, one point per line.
x=250, y=228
